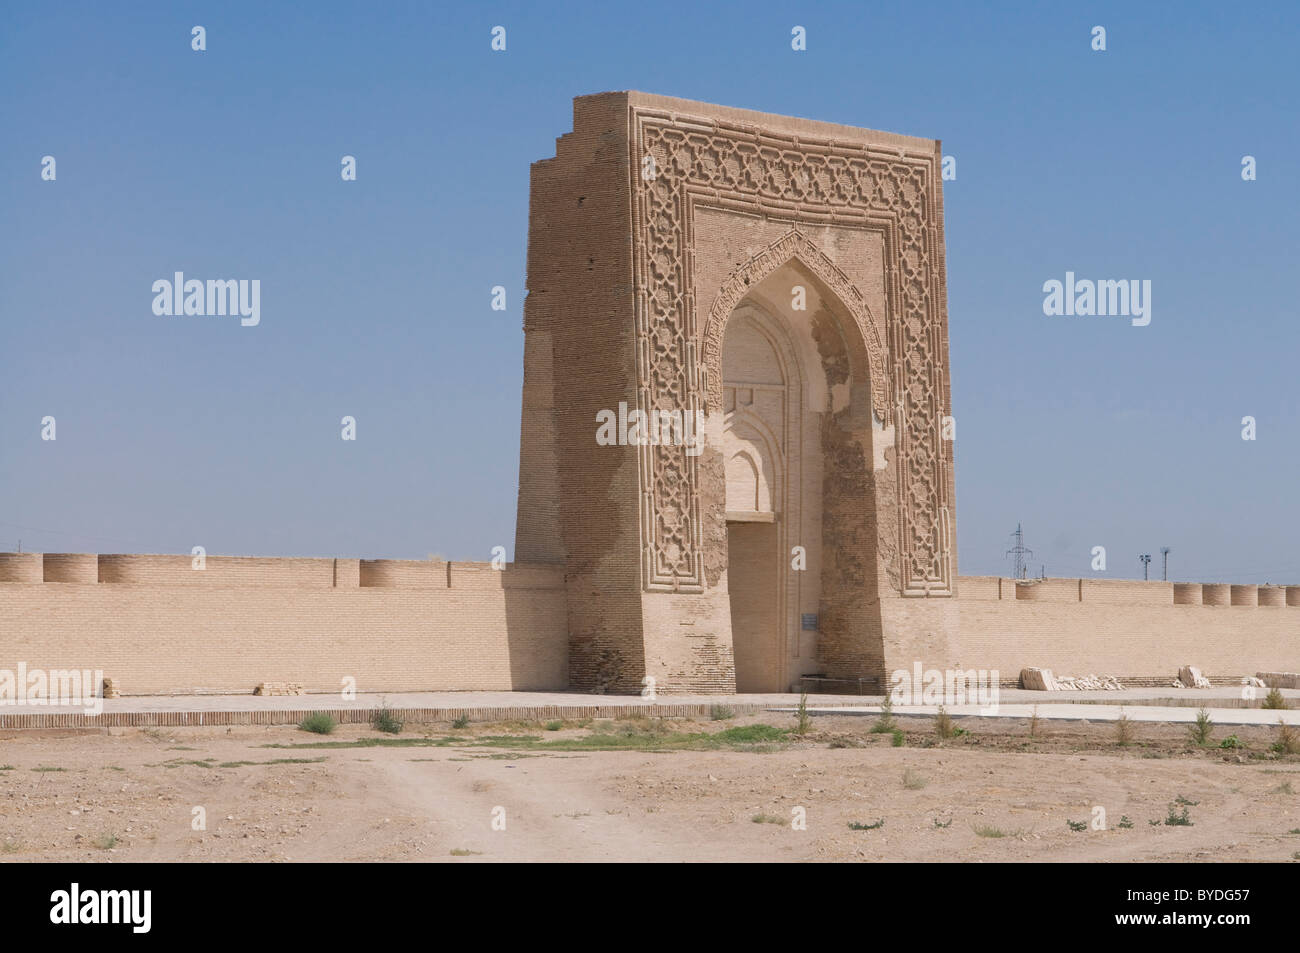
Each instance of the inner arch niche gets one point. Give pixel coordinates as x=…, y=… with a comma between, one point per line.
x=795, y=397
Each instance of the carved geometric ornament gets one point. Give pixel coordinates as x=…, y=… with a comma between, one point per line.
x=715, y=164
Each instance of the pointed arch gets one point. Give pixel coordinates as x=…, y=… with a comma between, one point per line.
x=794, y=245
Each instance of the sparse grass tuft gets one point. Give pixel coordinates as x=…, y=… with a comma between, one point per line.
x=45, y=768
x=944, y=825
x=463, y=852
x=988, y=830
x=804, y=722
x=1033, y=722
x=750, y=734
x=1124, y=822
x=461, y=721
x=107, y=841
x=721, y=713
x=943, y=726
x=1283, y=788
x=899, y=739
x=1288, y=739
x=1077, y=825
x=554, y=725
x=767, y=819
x=644, y=736
x=318, y=723
x=913, y=781
x=857, y=826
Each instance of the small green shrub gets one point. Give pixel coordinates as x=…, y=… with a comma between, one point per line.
x=1201, y=728
x=802, y=715
x=899, y=739
x=856, y=826
x=885, y=723
x=1232, y=741
x=1123, y=730
x=721, y=713
x=460, y=721
x=318, y=723
x=554, y=725
x=1173, y=819
x=1274, y=699
x=1077, y=825
x=1124, y=822
x=384, y=720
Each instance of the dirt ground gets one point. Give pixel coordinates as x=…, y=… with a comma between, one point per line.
x=672, y=792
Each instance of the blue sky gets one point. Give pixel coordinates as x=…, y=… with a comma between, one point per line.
x=375, y=294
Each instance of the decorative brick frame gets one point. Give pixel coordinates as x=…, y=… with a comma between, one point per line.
x=798, y=179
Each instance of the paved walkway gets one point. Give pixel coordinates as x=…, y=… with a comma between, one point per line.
x=414, y=707
x=1141, y=704
x=1077, y=712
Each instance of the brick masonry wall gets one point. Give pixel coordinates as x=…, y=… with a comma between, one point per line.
x=1119, y=627
x=579, y=502
x=162, y=627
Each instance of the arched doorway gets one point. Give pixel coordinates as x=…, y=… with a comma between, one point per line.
x=801, y=441
x=761, y=393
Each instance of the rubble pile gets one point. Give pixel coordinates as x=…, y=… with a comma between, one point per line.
x=1042, y=680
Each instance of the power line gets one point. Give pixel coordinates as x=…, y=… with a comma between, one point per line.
x=57, y=532
x=1019, y=552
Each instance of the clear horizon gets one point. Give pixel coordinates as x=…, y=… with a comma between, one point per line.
x=375, y=294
